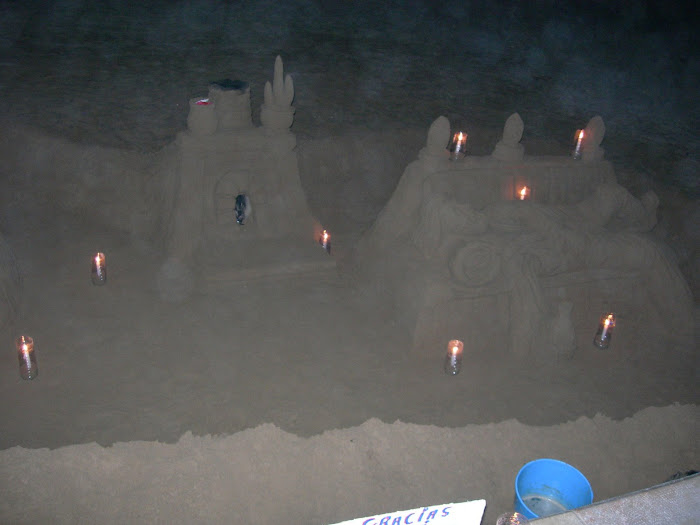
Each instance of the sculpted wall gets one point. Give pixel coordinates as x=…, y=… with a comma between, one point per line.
x=522, y=253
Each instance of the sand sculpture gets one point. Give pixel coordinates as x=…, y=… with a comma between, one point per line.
x=593, y=136
x=458, y=254
x=509, y=149
x=237, y=193
x=509, y=251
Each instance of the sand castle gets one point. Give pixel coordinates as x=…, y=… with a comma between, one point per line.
x=508, y=251
x=518, y=253
x=240, y=211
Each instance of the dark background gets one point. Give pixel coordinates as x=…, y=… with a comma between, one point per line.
x=372, y=63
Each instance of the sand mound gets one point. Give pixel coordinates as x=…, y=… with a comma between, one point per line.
x=265, y=475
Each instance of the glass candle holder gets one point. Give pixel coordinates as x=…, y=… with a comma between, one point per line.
x=579, y=144
x=512, y=518
x=28, y=369
x=605, y=331
x=458, y=146
x=98, y=274
x=325, y=241
x=453, y=359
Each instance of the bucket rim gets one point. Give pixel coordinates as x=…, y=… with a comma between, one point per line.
x=571, y=468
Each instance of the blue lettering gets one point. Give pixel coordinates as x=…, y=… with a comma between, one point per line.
x=385, y=520
x=431, y=516
x=406, y=520
x=420, y=518
x=445, y=512
x=368, y=521
x=397, y=521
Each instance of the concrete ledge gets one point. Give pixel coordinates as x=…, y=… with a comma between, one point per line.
x=676, y=502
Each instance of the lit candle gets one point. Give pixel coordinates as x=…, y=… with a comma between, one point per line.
x=28, y=368
x=459, y=142
x=606, y=326
x=524, y=193
x=579, y=142
x=453, y=359
x=325, y=241
x=99, y=269
x=605, y=330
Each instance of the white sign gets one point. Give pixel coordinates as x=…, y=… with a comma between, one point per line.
x=466, y=513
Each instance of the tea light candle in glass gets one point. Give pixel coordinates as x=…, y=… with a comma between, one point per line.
x=579, y=143
x=458, y=146
x=99, y=269
x=325, y=241
x=605, y=330
x=28, y=369
x=453, y=359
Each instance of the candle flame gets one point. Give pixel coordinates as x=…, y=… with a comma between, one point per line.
x=609, y=320
x=523, y=193
x=24, y=343
x=580, y=135
x=459, y=138
x=325, y=235
x=455, y=347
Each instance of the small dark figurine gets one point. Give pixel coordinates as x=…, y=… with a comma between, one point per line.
x=242, y=209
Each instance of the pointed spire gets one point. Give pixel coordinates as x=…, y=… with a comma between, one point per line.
x=277, y=112
x=593, y=136
x=281, y=92
x=438, y=135
x=267, y=95
x=594, y=133
x=513, y=130
x=509, y=149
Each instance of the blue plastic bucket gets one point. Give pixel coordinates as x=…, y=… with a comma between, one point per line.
x=548, y=486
